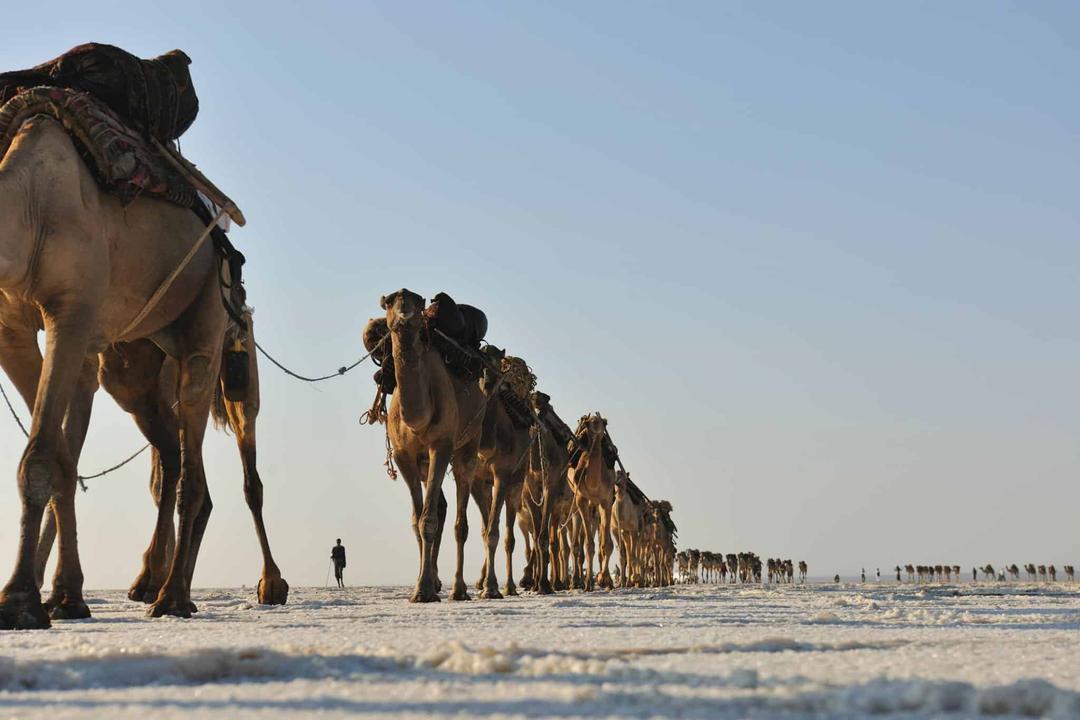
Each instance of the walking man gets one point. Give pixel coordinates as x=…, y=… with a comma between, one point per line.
x=337, y=554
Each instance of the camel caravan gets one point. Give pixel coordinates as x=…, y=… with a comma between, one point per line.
x=951, y=573
x=115, y=247
x=702, y=566
x=457, y=403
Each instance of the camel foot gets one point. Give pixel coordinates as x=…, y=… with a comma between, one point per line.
x=491, y=593
x=510, y=590
x=69, y=610
x=460, y=592
x=23, y=611
x=577, y=584
x=273, y=590
x=526, y=583
x=544, y=588
x=171, y=606
x=605, y=583
x=143, y=589
x=425, y=592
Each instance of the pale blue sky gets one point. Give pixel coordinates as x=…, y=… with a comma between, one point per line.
x=817, y=262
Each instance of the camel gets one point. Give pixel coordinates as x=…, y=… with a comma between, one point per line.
x=1042, y=573
x=1070, y=572
x=1030, y=570
x=628, y=524
x=910, y=570
x=502, y=451
x=546, y=496
x=434, y=418
x=802, y=571
x=1014, y=572
x=1052, y=571
x=988, y=571
x=593, y=483
x=144, y=382
x=81, y=266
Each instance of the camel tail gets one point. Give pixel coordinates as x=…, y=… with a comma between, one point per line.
x=218, y=412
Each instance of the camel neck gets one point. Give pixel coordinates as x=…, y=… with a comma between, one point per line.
x=413, y=392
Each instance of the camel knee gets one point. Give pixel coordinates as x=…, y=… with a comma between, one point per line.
x=253, y=491
x=510, y=542
x=429, y=526
x=461, y=530
x=37, y=478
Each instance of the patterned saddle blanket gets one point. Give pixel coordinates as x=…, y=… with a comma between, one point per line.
x=122, y=160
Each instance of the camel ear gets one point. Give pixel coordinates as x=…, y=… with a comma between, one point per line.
x=382, y=302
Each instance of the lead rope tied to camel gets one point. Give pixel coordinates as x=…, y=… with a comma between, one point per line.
x=340, y=371
x=80, y=478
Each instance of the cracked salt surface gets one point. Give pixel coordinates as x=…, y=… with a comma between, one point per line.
x=690, y=651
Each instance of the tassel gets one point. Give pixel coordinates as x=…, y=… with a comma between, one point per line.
x=237, y=375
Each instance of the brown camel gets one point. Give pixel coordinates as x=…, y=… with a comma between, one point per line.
x=83, y=267
x=546, y=495
x=628, y=524
x=504, y=445
x=593, y=483
x=435, y=417
x=128, y=372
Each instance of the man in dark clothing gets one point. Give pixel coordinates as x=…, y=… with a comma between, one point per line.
x=337, y=554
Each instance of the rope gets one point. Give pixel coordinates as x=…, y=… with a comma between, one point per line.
x=340, y=371
x=80, y=478
x=164, y=287
x=13, y=413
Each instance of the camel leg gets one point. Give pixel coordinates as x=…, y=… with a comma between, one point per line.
x=413, y=475
x=577, y=549
x=20, y=358
x=76, y=424
x=605, y=547
x=272, y=588
x=46, y=472
x=481, y=494
x=131, y=373
x=527, y=575
x=199, y=370
x=510, y=514
x=588, y=536
x=464, y=470
x=438, y=461
x=491, y=537
x=542, y=523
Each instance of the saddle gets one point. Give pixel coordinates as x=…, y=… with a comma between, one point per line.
x=466, y=326
x=155, y=95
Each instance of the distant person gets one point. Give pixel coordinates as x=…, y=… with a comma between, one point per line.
x=864, y=574
x=974, y=575
x=337, y=555
x=836, y=579
x=879, y=574
x=897, y=573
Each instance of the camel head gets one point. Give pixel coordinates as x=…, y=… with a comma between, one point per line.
x=490, y=377
x=593, y=428
x=404, y=310
x=540, y=401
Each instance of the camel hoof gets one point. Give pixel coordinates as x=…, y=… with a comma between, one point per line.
x=273, y=591
x=76, y=610
x=26, y=614
x=422, y=597
x=510, y=591
x=460, y=592
x=544, y=588
x=491, y=594
x=169, y=606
